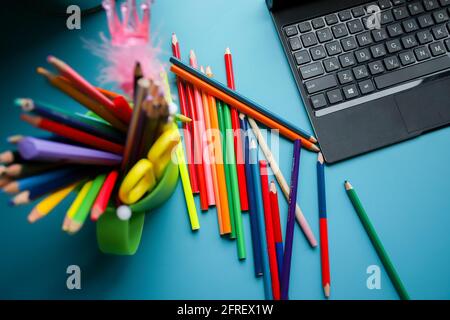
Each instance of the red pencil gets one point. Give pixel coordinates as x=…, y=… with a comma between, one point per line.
x=273, y=264
x=187, y=126
x=238, y=147
x=73, y=134
x=101, y=202
x=197, y=151
x=277, y=235
x=123, y=109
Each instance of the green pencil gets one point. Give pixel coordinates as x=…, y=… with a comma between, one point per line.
x=85, y=207
x=231, y=160
x=220, y=116
x=382, y=254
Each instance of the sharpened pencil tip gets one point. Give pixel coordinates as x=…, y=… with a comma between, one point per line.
x=252, y=144
x=209, y=71
x=320, y=157
x=347, y=185
x=192, y=54
x=174, y=38
x=227, y=50
x=273, y=187
x=315, y=148
x=326, y=290
x=202, y=70
x=241, y=116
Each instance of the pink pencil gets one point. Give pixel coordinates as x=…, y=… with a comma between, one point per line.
x=202, y=129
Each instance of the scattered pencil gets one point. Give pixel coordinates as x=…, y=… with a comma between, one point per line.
x=102, y=200
x=278, y=237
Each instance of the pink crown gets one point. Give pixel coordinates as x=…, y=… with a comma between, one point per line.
x=131, y=30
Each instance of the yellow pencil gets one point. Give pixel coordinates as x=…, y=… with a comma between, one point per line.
x=45, y=206
x=76, y=205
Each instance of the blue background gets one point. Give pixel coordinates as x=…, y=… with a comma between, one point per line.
x=405, y=188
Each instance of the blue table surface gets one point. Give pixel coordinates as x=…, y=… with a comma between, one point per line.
x=404, y=188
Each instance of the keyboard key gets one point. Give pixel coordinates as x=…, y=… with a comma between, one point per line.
x=311, y=70
x=331, y=19
x=317, y=52
x=437, y=48
x=415, y=8
x=348, y=43
x=440, y=32
x=322, y=83
x=309, y=39
x=393, y=46
x=335, y=96
x=333, y=48
x=362, y=55
x=355, y=26
x=378, y=50
x=407, y=58
x=304, y=26
x=366, y=86
x=425, y=21
x=324, y=35
x=444, y=2
x=318, y=23
x=400, y=13
x=430, y=4
x=409, y=41
x=345, y=15
x=386, y=17
x=379, y=35
x=376, y=67
x=359, y=12
x=364, y=38
x=447, y=44
x=345, y=76
x=412, y=72
x=398, y=2
x=331, y=64
x=410, y=25
x=422, y=53
x=424, y=37
x=295, y=43
x=347, y=60
x=339, y=30
x=391, y=63
x=384, y=4
x=440, y=16
x=318, y=101
x=302, y=57
x=395, y=29
x=350, y=91
x=360, y=72
x=290, y=31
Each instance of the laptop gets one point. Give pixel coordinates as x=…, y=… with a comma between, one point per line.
x=370, y=73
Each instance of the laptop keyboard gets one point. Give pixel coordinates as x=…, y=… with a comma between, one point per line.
x=339, y=59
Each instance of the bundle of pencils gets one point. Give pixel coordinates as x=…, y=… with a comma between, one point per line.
x=88, y=154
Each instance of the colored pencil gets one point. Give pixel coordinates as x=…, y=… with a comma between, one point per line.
x=286, y=271
x=197, y=148
x=84, y=86
x=227, y=168
x=188, y=135
x=71, y=119
x=259, y=208
x=238, y=149
x=137, y=75
x=73, y=209
x=104, y=195
x=271, y=251
x=83, y=211
x=45, y=206
x=199, y=111
x=218, y=161
x=324, y=257
x=11, y=156
x=241, y=103
x=256, y=239
x=304, y=225
x=379, y=248
x=210, y=146
x=277, y=235
x=4, y=181
x=43, y=150
x=24, y=170
x=72, y=134
x=66, y=87
x=230, y=158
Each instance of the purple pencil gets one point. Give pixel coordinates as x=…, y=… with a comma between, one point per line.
x=286, y=267
x=44, y=150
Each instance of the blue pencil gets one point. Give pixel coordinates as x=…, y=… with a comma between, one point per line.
x=286, y=271
x=256, y=239
x=259, y=209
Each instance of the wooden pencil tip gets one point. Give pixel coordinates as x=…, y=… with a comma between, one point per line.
x=202, y=70
x=15, y=138
x=21, y=198
x=192, y=54
x=2, y=169
x=273, y=187
x=74, y=227
x=315, y=148
x=33, y=120
x=241, y=116
x=209, y=71
x=227, y=50
x=51, y=58
x=95, y=213
x=312, y=139
x=34, y=216
x=174, y=38
x=44, y=72
x=252, y=143
x=347, y=185
x=326, y=290
x=320, y=157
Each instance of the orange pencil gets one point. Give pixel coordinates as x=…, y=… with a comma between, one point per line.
x=241, y=107
x=101, y=202
x=238, y=148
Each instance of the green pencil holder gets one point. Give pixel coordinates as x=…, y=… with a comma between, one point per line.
x=115, y=236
